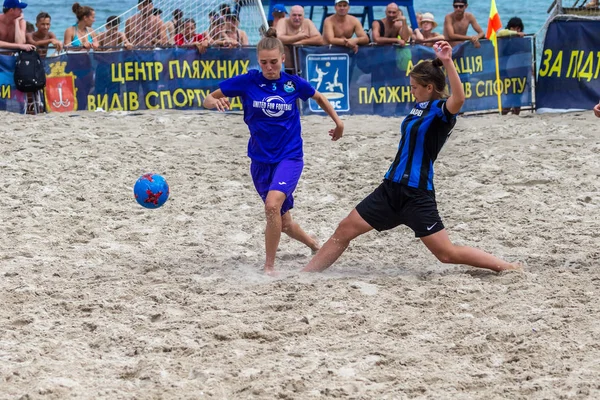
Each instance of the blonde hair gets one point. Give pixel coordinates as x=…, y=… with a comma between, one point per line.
x=270, y=42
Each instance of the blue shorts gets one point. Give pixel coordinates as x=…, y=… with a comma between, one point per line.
x=282, y=176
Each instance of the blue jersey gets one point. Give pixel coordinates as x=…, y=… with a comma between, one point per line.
x=424, y=131
x=271, y=113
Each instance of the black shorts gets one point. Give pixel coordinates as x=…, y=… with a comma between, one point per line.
x=393, y=204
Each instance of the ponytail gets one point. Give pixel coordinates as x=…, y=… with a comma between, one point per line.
x=270, y=41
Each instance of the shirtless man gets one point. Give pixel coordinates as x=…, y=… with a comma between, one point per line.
x=112, y=37
x=393, y=29
x=278, y=14
x=42, y=38
x=13, y=27
x=339, y=28
x=297, y=30
x=144, y=28
x=456, y=25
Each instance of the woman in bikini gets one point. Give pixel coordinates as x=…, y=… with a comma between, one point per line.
x=80, y=34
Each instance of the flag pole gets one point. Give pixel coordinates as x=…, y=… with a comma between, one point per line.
x=497, y=85
x=494, y=25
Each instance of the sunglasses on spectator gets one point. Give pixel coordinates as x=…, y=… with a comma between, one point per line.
x=459, y=6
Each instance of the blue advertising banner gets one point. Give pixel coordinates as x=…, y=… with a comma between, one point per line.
x=569, y=70
x=375, y=80
x=318, y=66
x=131, y=80
x=10, y=98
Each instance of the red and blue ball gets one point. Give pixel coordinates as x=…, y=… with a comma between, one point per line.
x=151, y=190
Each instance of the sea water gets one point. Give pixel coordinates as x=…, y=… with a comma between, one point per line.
x=532, y=12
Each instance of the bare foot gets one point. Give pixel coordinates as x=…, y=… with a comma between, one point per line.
x=315, y=246
x=513, y=267
x=270, y=270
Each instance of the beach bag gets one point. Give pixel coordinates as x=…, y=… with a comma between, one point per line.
x=30, y=75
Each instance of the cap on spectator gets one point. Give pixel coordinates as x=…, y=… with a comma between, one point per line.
x=459, y=1
x=428, y=17
x=279, y=8
x=340, y=1
x=14, y=4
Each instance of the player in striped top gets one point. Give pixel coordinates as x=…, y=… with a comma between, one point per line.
x=406, y=196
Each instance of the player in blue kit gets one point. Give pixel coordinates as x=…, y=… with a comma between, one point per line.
x=269, y=98
x=406, y=196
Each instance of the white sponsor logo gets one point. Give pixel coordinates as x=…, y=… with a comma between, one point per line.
x=273, y=106
x=416, y=111
x=282, y=183
x=431, y=227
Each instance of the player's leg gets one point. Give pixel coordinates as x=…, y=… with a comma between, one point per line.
x=422, y=216
x=273, y=204
x=376, y=211
x=262, y=174
x=350, y=227
x=440, y=245
x=284, y=181
x=293, y=230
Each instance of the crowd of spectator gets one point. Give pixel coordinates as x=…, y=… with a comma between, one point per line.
x=146, y=28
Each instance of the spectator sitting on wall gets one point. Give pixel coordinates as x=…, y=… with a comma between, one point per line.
x=393, y=29
x=297, y=30
x=340, y=28
x=175, y=25
x=190, y=37
x=13, y=30
x=112, y=37
x=513, y=28
x=279, y=12
x=456, y=25
x=42, y=38
x=424, y=34
x=144, y=29
x=81, y=33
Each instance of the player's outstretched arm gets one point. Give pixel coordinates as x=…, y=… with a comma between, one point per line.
x=327, y=107
x=443, y=50
x=216, y=100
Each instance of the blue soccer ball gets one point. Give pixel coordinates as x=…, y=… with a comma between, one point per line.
x=151, y=190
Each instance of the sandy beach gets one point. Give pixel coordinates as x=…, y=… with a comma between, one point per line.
x=103, y=299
